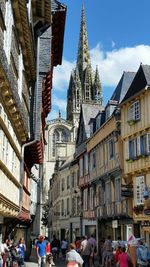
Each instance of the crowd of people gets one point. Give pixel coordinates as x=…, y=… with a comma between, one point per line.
x=118, y=254
x=80, y=253
x=12, y=254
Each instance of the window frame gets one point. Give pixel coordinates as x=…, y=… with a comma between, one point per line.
x=111, y=149
x=134, y=111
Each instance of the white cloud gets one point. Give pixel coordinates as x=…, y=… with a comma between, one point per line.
x=112, y=64
x=61, y=75
x=59, y=103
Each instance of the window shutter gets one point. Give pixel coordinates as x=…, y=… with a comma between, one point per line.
x=138, y=142
x=127, y=149
x=148, y=143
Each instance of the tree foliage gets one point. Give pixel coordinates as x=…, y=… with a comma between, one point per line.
x=45, y=211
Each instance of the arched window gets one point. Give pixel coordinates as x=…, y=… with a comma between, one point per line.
x=55, y=139
x=59, y=135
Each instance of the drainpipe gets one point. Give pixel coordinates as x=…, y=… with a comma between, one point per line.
x=22, y=171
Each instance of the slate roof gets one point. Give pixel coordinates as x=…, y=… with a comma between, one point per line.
x=140, y=81
x=123, y=86
x=57, y=6
x=89, y=111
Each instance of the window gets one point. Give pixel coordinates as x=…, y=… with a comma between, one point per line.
x=133, y=149
x=73, y=180
x=68, y=182
x=145, y=144
x=68, y=206
x=108, y=193
x=81, y=167
x=139, y=189
x=91, y=198
x=134, y=111
x=85, y=164
x=55, y=139
x=94, y=159
x=85, y=197
x=62, y=208
x=140, y=146
x=111, y=149
x=62, y=185
x=117, y=190
x=59, y=135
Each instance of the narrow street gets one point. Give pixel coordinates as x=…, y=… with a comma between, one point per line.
x=33, y=260
x=59, y=263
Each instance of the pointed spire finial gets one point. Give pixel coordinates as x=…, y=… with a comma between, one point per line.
x=83, y=58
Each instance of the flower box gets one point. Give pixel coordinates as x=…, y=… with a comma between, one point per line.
x=131, y=122
x=138, y=209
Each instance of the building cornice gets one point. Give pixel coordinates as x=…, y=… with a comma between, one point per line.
x=8, y=208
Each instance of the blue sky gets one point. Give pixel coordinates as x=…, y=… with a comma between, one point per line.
x=119, y=40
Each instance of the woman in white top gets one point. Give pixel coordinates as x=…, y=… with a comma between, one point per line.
x=73, y=258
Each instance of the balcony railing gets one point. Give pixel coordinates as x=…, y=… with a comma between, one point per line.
x=113, y=209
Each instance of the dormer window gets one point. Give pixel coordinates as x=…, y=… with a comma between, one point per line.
x=134, y=112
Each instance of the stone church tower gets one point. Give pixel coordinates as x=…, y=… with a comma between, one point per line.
x=84, y=85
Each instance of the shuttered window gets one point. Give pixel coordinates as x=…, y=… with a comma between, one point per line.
x=139, y=146
x=117, y=190
x=134, y=111
x=108, y=192
x=111, y=149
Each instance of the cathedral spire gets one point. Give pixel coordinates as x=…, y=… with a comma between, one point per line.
x=97, y=88
x=83, y=58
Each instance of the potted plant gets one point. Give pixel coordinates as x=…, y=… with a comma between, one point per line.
x=131, y=122
x=138, y=209
x=130, y=160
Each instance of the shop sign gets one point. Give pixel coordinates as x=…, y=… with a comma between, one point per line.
x=114, y=224
x=145, y=223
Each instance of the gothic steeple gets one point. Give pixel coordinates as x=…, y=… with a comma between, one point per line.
x=97, y=88
x=83, y=58
x=83, y=86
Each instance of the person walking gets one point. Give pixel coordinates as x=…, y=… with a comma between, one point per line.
x=123, y=258
x=22, y=249
x=41, y=250
x=16, y=256
x=6, y=255
x=93, y=243
x=64, y=247
x=107, y=252
x=86, y=250
x=142, y=254
x=73, y=258
x=2, y=251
